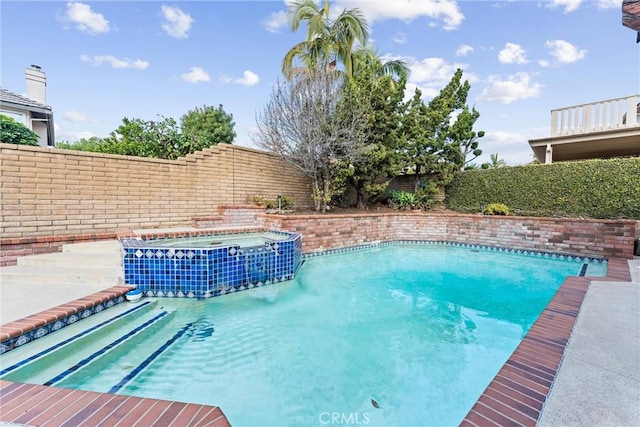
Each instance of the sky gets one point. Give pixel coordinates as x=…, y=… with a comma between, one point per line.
x=106, y=60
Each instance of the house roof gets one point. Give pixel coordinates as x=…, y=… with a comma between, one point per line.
x=631, y=15
x=11, y=99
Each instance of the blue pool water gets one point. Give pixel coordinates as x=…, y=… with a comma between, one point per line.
x=420, y=329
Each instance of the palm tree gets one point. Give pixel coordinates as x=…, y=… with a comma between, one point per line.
x=368, y=57
x=496, y=162
x=328, y=41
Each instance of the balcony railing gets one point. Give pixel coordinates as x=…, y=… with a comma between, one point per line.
x=612, y=114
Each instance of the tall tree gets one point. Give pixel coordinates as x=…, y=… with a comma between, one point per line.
x=376, y=160
x=367, y=58
x=207, y=126
x=306, y=124
x=426, y=129
x=328, y=41
x=463, y=139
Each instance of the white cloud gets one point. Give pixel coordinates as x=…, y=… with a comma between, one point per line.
x=609, y=4
x=430, y=75
x=70, y=136
x=177, y=23
x=195, y=75
x=512, y=54
x=564, y=52
x=427, y=92
x=74, y=116
x=446, y=11
x=569, y=5
x=464, y=50
x=276, y=22
x=515, y=87
x=400, y=37
x=136, y=64
x=85, y=19
x=512, y=147
x=543, y=63
x=435, y=71
x=248, y=78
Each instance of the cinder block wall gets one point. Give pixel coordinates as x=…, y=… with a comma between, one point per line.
x=47, y=191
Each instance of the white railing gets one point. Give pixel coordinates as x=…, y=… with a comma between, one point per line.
x=618, y=113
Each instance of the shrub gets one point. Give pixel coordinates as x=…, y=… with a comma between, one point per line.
x=13, y=132
x=590, y=189
x=404, y=200
x=286, y=202
x=496, y=209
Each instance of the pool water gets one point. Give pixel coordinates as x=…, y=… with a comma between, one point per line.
x=421, y=330
x=241, y=239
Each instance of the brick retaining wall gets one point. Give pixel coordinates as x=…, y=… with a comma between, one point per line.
x=598, y=238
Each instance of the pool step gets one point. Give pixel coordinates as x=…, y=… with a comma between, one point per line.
x=118, y=367
x=91, y=263
x=88, y=341
x=102, y=246
x=71, y=259
x=52, y=274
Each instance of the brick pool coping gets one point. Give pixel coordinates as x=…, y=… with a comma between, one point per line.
x=515, y=396
x=518, y=392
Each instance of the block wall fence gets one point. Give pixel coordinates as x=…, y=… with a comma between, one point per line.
x=51, y=197
x=48, y=193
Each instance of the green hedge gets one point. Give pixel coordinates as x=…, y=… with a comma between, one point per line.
x=589, y=189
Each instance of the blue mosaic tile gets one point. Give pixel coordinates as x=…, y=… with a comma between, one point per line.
x=30, y=336
x=532, y=253
x=202, y=273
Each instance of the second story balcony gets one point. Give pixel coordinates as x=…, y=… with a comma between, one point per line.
x=601, y=129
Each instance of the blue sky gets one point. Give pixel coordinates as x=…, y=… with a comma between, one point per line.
x=107, y=60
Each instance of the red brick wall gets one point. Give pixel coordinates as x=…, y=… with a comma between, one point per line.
x=598, y=238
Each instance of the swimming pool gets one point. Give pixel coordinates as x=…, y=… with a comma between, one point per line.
x=419, y=329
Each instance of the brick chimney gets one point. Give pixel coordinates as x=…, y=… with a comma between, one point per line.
x=36, y=84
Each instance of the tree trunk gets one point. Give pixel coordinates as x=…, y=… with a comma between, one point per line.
x=416, y=184
x=327, y=189
x=316, y=194
x=360, y=199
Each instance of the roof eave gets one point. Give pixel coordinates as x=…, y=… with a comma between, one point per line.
x=18, y=106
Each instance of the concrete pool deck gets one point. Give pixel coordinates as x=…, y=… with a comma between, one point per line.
x=597, y=382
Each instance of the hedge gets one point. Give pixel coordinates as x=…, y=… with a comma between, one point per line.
x=604, y=189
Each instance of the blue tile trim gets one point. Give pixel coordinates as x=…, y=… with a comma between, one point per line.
x=71, y=339
x=32, y=335
x=161, y=271
x=583, y=270
x=526, y=252
x=150, y=359
x=103, y=350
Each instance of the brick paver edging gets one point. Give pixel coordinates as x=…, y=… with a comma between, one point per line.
x=517, y=393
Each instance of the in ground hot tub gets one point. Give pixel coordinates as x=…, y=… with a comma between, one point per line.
x=210, y=265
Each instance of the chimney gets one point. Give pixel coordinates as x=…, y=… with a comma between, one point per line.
x=36, y=84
